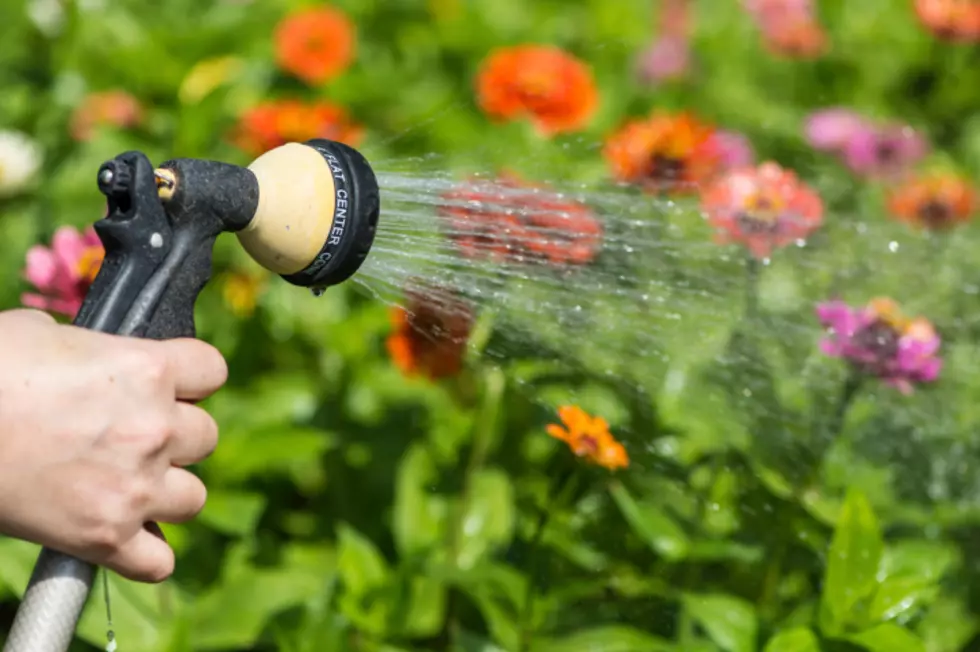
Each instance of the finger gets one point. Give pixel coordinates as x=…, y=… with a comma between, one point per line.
x=195, y=435
x=198, y=368
x=144, y=558
x=30, y=313
x=180, y=498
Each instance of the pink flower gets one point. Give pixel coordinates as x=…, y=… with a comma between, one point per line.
x=832, y=129
x=735, y=149
x=668, y=58
x=884, y=151
x=762, y=208
x=63, y=273
x=879, y=341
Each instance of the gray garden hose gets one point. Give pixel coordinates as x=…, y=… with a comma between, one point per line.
x=52, y=604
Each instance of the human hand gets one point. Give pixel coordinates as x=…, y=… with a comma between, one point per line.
x=94, y=432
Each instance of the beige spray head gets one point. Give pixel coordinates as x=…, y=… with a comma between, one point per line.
x=306, y=211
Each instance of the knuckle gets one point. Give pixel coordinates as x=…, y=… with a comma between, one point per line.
x=147, y=367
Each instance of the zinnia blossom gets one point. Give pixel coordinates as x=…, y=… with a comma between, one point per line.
x=882, y=150
x=512, y=220
x=278, y=122
x=789, y=27
x=832, y=128
x=430, y=333
x=933, y=200
x=669, y=56
x=950, y=20
x=315, y=44
x=589, y=438
x=64, y=272
x=543, y=83
x=878, y=340
x=665, y=153
x=762, y=207
x=114, y=108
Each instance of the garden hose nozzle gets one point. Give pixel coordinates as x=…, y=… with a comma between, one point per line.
x=312, y=208
x=307, y=211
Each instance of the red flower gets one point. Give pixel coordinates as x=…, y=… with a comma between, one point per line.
x=762, y=207
x=510, y=220
x=278, y=122
x=315, y=44
x=430, y=333
x=552, y=88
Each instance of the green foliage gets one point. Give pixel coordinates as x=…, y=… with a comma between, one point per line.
x=354, y=509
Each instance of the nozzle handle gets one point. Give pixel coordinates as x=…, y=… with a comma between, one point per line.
x=158, y=259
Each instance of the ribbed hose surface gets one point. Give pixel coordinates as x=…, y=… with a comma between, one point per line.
x=52, y=604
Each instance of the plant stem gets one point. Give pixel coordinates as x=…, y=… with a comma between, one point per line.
x=483, y=437
x=557, y=495
x=751, y=288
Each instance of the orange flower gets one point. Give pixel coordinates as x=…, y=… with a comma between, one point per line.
x=552, y=88
x=430, y=334
x=117, y=108
x=803, y=38
x=665, y=153
x=589, y=437
x=315, y=44
x=951, y=20
x=512, y=220
x=933, y=201
x=277, y=122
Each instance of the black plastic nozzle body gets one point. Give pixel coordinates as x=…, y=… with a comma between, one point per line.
x=158, y=256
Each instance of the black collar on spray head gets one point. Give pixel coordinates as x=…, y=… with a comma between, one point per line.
x=357, y=204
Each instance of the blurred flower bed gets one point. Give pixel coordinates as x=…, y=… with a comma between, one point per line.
x=799, y=474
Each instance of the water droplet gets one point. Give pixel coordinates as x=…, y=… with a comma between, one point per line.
x=800, y=242
x=318, y=291
x=765, y=262
x=747, y=392
x=893, y=246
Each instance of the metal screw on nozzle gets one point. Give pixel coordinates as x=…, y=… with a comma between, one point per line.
x=114, y=178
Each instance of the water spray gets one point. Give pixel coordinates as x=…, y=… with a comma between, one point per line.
x=306, y=211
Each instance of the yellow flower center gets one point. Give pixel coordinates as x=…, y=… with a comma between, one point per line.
x=89, y=263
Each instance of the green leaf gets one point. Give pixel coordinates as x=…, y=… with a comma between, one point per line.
x=274, y=450
x=929, y=560
x=364, y=572
x=798, y=639
x=651, y=524
x=139, y=619
x=418, y=515
x=17, y=559
x=611, y=638
x=948, y=626
x=234, y=613
x=488, y=522
x=897, y=596
x=888, y=637
x=729, y=621
x=233, y=512
x=855, y=553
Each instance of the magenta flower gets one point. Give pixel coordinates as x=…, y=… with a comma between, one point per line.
x=884, y=151
x=64, y=272
x=735, y=149
x=668, y=58
x=830, y=130
x=879, y=341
